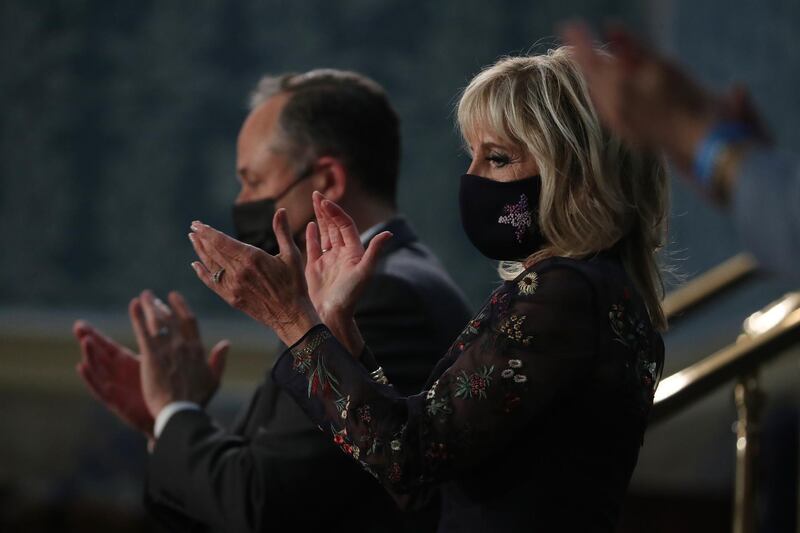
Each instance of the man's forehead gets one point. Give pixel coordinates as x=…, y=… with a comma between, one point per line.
x=262, y=120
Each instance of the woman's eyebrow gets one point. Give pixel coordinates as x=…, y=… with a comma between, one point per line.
x=490, y=145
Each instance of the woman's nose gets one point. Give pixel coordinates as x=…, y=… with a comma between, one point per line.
x=474, y=168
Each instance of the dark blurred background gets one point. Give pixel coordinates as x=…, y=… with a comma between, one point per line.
x=118, y=128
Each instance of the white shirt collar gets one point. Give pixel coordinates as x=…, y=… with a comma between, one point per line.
x=367, y=235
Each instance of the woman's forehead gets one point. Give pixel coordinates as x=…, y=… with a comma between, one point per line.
x=486, y=138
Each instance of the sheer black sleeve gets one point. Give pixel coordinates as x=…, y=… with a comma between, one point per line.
x=530, y=347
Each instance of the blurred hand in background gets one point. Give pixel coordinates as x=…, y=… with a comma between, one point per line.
x=134, y=386
x=112, y=374
x=718, y=142
x=647, y=100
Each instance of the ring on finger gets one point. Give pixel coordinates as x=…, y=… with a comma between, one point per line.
x=163, y=331
x=217, y=276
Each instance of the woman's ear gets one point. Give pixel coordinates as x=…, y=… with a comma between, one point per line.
x=330, y=178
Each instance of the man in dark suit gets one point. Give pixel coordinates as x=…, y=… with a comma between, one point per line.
x=334, y=132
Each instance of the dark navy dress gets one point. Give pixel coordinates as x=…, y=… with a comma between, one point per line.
x=531, y=422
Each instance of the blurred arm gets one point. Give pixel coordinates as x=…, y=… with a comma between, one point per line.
x=766, y=205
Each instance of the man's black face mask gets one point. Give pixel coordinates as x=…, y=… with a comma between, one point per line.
x=252, y=221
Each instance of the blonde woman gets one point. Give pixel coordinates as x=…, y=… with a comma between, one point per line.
x=534, y=418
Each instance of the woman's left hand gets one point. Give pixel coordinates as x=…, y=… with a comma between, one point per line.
x=270, y=289
x=338, y=268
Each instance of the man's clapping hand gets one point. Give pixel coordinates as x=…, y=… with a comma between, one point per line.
x=136, y=387
x=111, y=372
x=173, y=360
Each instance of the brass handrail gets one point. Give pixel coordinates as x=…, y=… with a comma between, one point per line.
x=690, y=384
x=767, y=334
x=717, y=280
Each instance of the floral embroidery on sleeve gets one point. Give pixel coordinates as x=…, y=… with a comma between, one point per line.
x=437, y=406
x=364, y=414
x=301, y=357
x=506, y=368
x=514, y=381
x=471, y=330
x=512, y=328
x=319, y=377
x=633, y=332
x=475, y=384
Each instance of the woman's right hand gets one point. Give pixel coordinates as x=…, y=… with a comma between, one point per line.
x=338, y=268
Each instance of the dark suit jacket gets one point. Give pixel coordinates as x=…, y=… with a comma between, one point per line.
x=274, y=470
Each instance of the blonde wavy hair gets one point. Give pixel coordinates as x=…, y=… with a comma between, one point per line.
x=596, y=191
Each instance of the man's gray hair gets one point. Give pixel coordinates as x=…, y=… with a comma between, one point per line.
x=268, y=86
x=337, y=113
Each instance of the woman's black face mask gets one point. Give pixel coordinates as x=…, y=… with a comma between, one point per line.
x=501, y=218
x=252, y=221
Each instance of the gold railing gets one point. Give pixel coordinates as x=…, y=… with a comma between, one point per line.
x=740, y=358
x=767, y=334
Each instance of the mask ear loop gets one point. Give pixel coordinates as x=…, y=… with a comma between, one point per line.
x=305, y=174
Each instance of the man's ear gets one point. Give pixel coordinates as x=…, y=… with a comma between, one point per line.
x=330, y=178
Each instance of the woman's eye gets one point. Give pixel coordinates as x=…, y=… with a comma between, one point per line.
x=498, y=160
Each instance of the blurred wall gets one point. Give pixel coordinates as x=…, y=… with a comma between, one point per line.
x=121, y=120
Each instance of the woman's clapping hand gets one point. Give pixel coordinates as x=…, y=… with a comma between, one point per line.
x=338, y=268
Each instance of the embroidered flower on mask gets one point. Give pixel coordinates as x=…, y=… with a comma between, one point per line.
x=507, y=373
x=514, y=363
x=517, y=215
x=520, y=378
